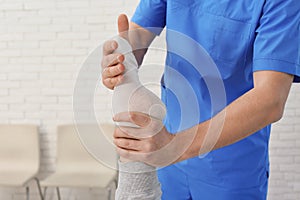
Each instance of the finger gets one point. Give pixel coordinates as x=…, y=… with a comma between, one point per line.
x=140, y=119
x=123, y=26
x=146, y=125
x=128, y=154
x=138, y=133
x=113, y=71
x=112, y=59
x=109, y=47
x=137, y=118
x=119, y=133
x=112, y=82
x=143, y=133
x=133, y=145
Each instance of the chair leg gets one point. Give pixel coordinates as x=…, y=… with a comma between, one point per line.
x=27, y=192
x=116, y=181
x=45, y=192
x=58, y=193
x=39, y=188
x=109, y=193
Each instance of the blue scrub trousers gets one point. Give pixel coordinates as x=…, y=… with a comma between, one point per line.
x=176, y=185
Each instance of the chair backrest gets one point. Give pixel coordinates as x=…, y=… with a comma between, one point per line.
x=73, y=156
x=19, y=148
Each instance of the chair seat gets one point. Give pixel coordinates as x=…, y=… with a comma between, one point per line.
x=15, y=179
x=63, y=179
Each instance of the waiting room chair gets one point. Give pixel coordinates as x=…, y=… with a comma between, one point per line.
x=75, y=166
x=19, y=156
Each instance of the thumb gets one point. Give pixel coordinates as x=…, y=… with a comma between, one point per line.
x=123, y=26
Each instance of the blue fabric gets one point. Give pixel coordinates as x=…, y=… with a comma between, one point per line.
x=177, y=191
x=188, y=187
x=241, y=37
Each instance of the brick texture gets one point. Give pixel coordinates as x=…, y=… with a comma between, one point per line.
x=43, y=44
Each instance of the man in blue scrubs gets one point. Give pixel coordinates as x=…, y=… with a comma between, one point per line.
x=256, y=48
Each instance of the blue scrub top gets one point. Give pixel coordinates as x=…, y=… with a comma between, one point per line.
x=241, y=37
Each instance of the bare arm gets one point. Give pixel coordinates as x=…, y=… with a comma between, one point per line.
x=140, y=39
x=257, y=108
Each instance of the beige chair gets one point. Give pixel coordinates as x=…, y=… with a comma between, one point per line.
x=19, y=156
x=75, y=166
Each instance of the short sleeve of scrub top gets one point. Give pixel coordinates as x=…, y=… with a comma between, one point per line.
x=277, y=44
x=154, y=18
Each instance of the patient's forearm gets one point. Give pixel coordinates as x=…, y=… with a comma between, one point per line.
x=137, y=181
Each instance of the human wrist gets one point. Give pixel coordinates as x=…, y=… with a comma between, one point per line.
x=191, y=140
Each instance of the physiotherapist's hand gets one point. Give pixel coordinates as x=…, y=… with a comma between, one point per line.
x=112, y=63
x=151, y=143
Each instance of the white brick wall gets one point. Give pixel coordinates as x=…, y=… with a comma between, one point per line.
x=43, y=43
x=285, y=151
